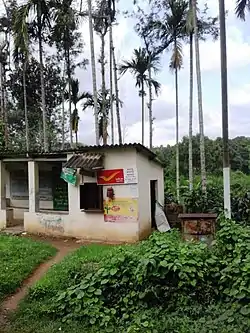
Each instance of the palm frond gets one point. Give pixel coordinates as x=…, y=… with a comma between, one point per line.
x=20, y=32
x=156, y=85
x=176, y=60
x=241, y=6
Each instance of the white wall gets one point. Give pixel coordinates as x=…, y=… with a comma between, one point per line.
x=148, y=170
x=91, y=225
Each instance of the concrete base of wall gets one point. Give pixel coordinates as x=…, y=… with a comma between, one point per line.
x=3, y=219
x=87, y=226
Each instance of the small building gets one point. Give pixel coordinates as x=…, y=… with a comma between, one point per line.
x=97, y=193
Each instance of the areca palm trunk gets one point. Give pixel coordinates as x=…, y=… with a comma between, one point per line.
x=111, y=82
x=92, y=52
x=177, y=136
x=142, y=111
x=117, y=97
x=199, y=92
x=150, y=111
x=70, y=96
x=40, y=45
x=25, y=106
x=103, y=111
x=191, y=86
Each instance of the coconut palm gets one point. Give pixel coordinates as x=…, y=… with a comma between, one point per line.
x=241, y=7
x=41, y=21
x=175, y=65
x=139, y=66
x=75, y=96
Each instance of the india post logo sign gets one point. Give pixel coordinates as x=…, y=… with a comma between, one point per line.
x=115, y=176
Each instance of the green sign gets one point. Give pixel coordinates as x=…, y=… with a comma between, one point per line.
x=69, y=175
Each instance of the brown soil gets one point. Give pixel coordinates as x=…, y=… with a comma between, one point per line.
x=64, y=246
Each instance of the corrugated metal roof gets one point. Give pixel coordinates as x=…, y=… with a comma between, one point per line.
x=87, y=161
x=88, y=149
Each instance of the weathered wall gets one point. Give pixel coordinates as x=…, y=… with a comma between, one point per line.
x=148, y=170
x=89, y=226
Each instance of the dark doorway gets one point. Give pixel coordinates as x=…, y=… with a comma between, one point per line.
x=153, y=184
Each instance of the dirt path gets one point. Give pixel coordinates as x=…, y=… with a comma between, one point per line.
x=10, y=304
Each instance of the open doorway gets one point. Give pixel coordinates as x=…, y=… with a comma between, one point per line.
x=153, y=198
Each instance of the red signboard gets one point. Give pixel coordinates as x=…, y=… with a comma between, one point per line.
x=115, y=176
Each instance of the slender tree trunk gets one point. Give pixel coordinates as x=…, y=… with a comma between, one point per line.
x=142, y=112
x=45, y=134
x=70, y=96
x=224, y=100
x=200, y=106
x=111, y=83
x=104, y=109
x=5, y=108
x=92, y=51
x=25, y=107
x=150, y=109
x=63, y=119
x=191, y=86
x=1, y=91
x=117, y=100
x=76, y=135
x=177, y=136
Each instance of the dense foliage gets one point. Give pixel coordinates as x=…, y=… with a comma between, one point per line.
x=164, y=284
x=239, y=156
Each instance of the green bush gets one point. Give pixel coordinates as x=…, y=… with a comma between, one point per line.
x=180, y=278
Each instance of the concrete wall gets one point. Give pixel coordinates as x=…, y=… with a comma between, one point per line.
x=91, y=225
x=148, y=170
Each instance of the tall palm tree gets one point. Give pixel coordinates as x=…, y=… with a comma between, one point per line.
x=199, y=92
x=101, y=25
x=75, y=97
x=175, y=65
x=111, y=18
x=65, y=24
x=117, y=104
x=241, y=7
x=21, y=53
x=41, y=20
x=139, y=66
x=92, y=52
x=190, y=31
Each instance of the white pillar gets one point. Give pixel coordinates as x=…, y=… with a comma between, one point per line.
x=3, y=218
x=2, y=186
x=33, y=175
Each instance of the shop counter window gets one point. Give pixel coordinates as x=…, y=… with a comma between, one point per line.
x=91, y=197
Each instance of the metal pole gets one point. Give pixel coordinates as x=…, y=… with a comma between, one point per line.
x=224, y=100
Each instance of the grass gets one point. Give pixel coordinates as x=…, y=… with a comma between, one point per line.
x=18, y=258
x=77, y=264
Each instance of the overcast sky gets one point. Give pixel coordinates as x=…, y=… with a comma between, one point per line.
x=125, y=39
x=238, y=42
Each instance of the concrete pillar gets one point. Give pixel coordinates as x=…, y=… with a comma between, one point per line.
x=2, y=186
x=33, y=174
x=3, y=217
